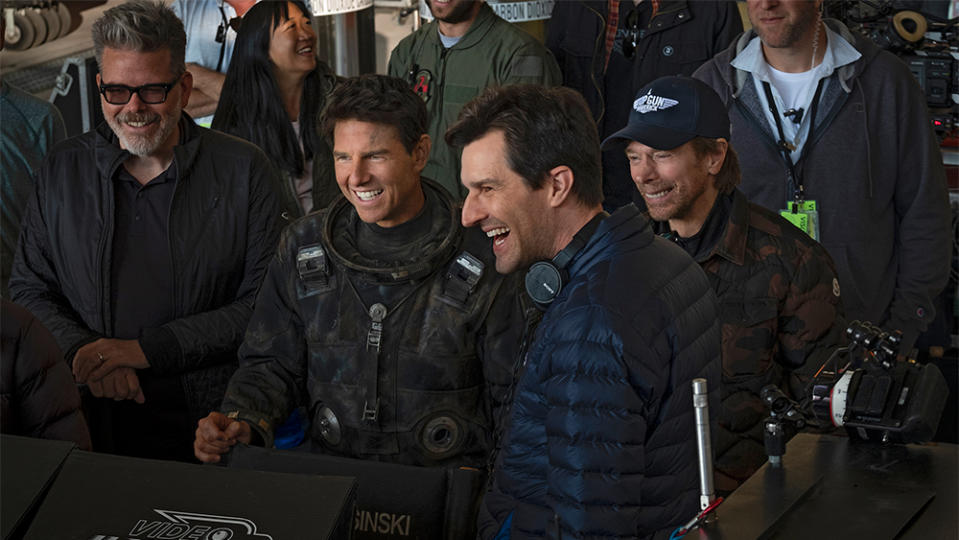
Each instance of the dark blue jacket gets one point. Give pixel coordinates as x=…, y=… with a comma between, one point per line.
x=601, y=442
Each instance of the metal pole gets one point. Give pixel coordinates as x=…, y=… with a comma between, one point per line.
x=703, y=443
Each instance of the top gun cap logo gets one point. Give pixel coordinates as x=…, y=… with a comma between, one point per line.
x=651, y=103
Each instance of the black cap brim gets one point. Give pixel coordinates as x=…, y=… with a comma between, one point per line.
x=658, y=137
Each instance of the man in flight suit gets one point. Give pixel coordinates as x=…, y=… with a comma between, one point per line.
x=381, y=314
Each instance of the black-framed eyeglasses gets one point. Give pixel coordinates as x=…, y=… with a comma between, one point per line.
x=152, y=94
x=631, y=39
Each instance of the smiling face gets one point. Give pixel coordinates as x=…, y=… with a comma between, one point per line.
x=502, y=204
x=292, y=43
x=677, y=185
x=143, y=129
x=376, y=173
x=783, y=23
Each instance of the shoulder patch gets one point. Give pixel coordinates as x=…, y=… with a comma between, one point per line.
x=462, y=276
x=311, y=263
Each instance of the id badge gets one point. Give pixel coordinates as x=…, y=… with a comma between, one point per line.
x=804, y=215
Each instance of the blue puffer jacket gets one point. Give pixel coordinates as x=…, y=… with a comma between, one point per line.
x=601, y=442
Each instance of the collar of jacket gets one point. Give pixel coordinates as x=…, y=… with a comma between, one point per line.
x=625, y=222
x=732, y=247
x=477, y=31
x=670, y=13
x=429, y=262
x=110, y=156
x=736, y=78
x=732, y=244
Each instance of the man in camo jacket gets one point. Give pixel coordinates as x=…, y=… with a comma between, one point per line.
x=779, y=299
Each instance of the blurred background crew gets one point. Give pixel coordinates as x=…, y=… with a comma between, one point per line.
x=37, y=395
x=778, y=295
x=450, y=60
x=211, y=27
x=29, y=127
x=273, y=95
x=609, y=49
x=145, y=242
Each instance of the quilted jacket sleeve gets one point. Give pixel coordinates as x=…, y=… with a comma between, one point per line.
x=39, y=395
x=596, y=426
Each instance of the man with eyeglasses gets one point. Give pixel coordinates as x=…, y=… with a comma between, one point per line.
x=609, y=49
x=145, y=242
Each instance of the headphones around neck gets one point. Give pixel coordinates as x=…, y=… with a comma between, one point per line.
x=545, y=279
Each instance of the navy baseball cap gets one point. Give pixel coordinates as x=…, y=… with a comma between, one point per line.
x=671, y=111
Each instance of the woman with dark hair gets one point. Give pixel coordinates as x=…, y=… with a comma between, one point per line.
x=273, y=94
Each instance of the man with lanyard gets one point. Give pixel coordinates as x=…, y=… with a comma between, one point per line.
x=608, y=49
x=778, y=295
x=840, y=144
x=211, y=27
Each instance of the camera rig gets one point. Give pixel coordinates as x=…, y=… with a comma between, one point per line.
x=865, y=388
x=922, y=35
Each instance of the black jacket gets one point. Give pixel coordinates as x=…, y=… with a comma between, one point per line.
x=37, y=394
x=223, y=225
x=677, y=40
x=437, y=363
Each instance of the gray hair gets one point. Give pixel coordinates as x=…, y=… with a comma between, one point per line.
x=142, y=26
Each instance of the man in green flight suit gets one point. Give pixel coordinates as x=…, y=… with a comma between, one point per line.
x=448, y=62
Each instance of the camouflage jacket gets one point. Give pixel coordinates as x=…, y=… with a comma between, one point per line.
x=397, y=362
x=781, y=316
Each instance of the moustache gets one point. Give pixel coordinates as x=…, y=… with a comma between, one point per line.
x=144, y=118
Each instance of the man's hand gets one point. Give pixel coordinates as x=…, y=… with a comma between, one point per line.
x=95, y=360
x=216, y=434
x=119, y=384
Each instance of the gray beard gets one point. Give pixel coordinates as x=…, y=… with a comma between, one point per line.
x=143, y=146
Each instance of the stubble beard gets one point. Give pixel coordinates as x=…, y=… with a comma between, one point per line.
x=460, y=13
x=791, y=35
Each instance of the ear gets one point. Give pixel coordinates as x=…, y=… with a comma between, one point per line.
x=186, y=87
x=714, y=161
x=559, y=183
x=421, y=152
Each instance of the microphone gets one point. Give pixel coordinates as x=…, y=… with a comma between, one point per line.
x=794, y=114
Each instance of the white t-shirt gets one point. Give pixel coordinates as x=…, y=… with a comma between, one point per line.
x=794, y=90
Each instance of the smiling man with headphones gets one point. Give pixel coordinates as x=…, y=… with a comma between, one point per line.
x=600, y=439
